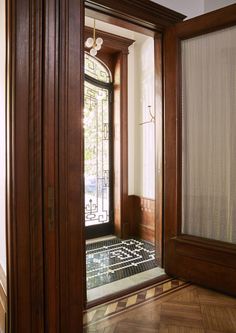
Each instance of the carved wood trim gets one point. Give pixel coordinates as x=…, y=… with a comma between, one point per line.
x=143, y=13
x=71, y=173
x=24, y=173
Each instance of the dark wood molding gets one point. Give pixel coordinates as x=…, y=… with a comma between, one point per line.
x=218, y=19
x=120, y=137
x=159, y=120
x=142, y=13
x=24, y=172
x=112, y=43
x=71, y=175
x=207, y=262
x=50, y=165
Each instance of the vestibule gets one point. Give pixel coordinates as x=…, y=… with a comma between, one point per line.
x=45, y=185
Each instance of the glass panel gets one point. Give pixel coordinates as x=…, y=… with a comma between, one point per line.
x=96, y=154
x=96, y=69
x=209, y=135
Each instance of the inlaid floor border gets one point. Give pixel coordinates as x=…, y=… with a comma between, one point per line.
x=122, y=304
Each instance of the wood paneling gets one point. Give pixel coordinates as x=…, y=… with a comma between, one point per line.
x=210, y=263
x=142, y=218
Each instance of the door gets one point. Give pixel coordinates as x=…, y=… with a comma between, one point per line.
x=199, y=168
x=98, y=148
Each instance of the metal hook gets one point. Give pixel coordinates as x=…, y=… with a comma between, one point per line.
x=152, y=120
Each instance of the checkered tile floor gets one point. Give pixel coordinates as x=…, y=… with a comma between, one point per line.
x=115, y=259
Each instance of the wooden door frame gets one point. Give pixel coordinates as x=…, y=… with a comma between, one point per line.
x=207, y=255
x=24, y=179
x=45, y=242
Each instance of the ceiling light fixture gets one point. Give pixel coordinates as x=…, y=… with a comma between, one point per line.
x=94, y=43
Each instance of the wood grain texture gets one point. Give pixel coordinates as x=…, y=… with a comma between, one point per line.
x=24, y=167
x=142, y=218
x=190, y=310
x=72, y=288
x=207, y=262
x=50, y=166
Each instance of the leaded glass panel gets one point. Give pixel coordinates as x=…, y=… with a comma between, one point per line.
x=96, y=69
x=96, y=154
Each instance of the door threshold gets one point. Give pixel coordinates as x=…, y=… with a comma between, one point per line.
x=99, y=239
x=125, y=291
x=122, y=303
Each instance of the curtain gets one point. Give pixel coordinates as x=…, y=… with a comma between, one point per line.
x=209, y=135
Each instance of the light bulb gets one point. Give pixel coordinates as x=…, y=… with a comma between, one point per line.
x=93, y=52
x=89, y=42
x=99, y=41
x=98, y=47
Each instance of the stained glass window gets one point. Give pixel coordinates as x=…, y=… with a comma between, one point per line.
x=96, y=69
x=96, y=142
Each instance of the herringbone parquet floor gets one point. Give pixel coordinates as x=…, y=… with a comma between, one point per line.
x=188, y=310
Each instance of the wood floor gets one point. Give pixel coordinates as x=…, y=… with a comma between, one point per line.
x=189, y=310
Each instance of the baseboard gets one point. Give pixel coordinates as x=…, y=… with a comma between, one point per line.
x=3, y=300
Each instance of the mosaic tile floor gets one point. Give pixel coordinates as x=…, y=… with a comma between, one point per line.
x=115, y=259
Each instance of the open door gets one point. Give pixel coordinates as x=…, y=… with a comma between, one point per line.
x=199, y=150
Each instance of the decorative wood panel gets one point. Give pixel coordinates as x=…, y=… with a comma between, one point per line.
x=142, y=218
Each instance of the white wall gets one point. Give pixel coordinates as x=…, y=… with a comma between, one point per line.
x=143, y=148
x=2, y=136
x=216, y=4
x=186, y=7
x=192, y=8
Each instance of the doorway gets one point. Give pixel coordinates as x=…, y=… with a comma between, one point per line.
x=120, y=176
